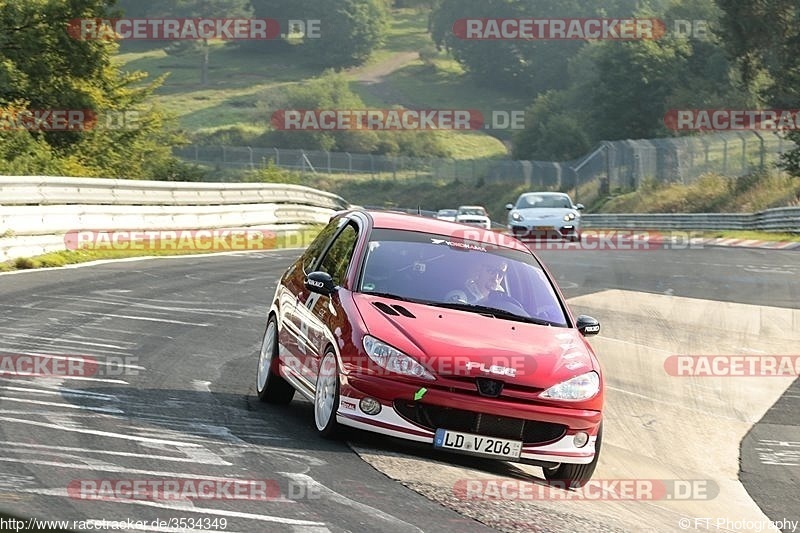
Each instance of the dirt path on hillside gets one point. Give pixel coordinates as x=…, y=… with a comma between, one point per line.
x=374, y=79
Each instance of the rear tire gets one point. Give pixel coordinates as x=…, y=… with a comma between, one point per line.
x=572, y=475
x=271, y=387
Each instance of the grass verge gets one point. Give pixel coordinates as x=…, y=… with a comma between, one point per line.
x=157, y=249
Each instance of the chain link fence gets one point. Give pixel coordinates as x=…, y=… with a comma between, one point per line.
x=617, y=165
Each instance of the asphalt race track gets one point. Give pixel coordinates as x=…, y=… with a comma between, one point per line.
x=175, y=340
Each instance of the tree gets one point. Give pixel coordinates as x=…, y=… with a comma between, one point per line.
x=763, y=37
x=204, y=9
x=528, y=67
x=623, y=89
x=350, y=30
x=43, y=67
x=553, y=131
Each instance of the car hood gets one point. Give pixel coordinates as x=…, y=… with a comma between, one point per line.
x=541, y=213
x=461, y=343
x=472, y=217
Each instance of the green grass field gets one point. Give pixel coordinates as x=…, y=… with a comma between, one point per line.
x=245, y=87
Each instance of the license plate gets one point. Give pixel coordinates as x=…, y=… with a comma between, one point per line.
x=477, y=444
x=543, y=228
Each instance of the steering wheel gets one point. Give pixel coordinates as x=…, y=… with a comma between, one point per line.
x=502, y=300
x=456, y=296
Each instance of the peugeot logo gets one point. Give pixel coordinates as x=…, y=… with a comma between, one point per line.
x=489, y=387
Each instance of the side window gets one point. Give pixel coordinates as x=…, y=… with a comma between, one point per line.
x=339, y=254
x=316, y=247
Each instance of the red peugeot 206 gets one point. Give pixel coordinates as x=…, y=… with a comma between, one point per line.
x=439, y=333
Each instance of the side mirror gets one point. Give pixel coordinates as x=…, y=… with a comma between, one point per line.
x=587, y=325
x=509, y=207
x=580, y=207
x=321, y=283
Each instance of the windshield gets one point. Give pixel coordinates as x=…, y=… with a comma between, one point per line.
x=435, y=270
x=472, y=211
x=534, y=200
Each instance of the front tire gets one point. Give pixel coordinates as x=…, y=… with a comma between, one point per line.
x=574, y=476
x=271, y=387
x=326, y=397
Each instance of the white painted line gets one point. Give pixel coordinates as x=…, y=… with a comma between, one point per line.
x=94, y=466
x=184, y=508
x=72, y=378
x=52, y=340
x=104, y=410
x=61, y=392
x=340, y=499
x=193, y=458
x=99, y=433
x=147, y=319
x=107, y=315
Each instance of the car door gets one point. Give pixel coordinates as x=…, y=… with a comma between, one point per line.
x=314, y=312
x=293, y=344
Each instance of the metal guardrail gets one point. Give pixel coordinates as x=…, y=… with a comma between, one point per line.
x=783, y=219
x=46, y=190
x=37, y=211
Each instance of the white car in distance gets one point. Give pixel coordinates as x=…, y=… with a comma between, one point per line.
x=474, y=215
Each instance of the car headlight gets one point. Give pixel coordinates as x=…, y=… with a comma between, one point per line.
x=393, y=359
x=578, y=388
x=569, y=216
x=516, y=217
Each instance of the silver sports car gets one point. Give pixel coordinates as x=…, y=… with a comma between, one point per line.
x=538, y=215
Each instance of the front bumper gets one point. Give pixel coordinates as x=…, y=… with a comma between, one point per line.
x=479, y=222
x=538, y=232
x=450, y=410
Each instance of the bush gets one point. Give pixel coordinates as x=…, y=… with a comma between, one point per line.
x=272, y=174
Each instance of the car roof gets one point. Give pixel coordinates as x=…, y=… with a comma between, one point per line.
x=421, y=224
x=470, y=207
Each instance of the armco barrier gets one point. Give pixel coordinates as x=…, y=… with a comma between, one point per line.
x=46, y=190
x=36, y=211
x=784, y=219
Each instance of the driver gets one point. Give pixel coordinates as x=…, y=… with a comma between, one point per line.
x=487, y=276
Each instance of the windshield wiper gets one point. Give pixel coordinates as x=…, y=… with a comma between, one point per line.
x=393, y=296
x=495, y=312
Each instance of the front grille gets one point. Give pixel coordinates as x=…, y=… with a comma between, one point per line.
x=433, y=417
